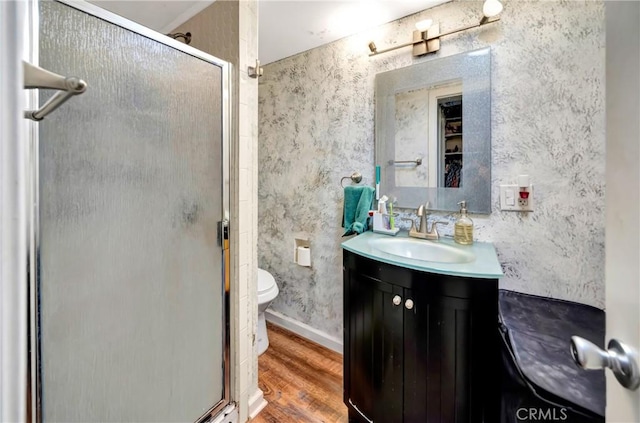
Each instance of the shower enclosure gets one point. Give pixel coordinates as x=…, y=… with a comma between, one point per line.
x=129, y=282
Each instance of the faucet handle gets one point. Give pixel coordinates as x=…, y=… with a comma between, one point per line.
x=434, y=228
x=413, y=223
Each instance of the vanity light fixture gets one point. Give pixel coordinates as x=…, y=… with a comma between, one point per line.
x=426, y=37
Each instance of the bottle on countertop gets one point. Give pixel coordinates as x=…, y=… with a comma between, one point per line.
x=463, y=228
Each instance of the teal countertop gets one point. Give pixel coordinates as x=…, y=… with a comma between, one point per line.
x=485, y=265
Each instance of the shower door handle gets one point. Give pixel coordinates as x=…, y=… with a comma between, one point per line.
x=223, y=239
x=223, y=233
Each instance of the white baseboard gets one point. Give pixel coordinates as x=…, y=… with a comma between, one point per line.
x=256, y=403
x=304, y=330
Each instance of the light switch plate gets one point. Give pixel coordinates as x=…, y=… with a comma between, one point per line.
x=510, y=199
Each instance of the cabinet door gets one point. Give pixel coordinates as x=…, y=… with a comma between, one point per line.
x=373, y=348
x=437, y=363
x=421, y=388
x=418, y=348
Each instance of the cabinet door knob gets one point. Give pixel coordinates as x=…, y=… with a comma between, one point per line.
x=397, y=300
x=408, y=304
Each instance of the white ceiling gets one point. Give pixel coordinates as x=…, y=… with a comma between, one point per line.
x=160, y=15
x=290, y=27
x=285, y=27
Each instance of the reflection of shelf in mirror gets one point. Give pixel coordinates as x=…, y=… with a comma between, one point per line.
x=452, y=119
x=452, y=135
x=457, y=153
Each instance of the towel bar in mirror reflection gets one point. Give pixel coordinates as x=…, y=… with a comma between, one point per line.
x=437, y=110
x=416, y=162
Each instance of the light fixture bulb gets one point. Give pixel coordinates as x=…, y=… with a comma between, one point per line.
x=491, y=8
x=424, y=25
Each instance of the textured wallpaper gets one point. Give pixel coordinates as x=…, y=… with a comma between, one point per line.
x=317, y=125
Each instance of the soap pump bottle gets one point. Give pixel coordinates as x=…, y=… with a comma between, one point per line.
x=463, y=228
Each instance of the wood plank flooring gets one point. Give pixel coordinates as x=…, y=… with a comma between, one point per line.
x=301, y=381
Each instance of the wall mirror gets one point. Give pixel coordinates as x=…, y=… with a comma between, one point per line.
x=433, y=132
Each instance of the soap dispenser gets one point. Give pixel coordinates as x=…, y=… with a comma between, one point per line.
x=463, y=229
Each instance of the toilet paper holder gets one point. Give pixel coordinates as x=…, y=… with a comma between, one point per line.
x=301, y=252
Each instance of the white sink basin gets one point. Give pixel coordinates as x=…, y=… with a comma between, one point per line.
x=422, y=250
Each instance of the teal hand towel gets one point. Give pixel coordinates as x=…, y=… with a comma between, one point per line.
x=357, y=203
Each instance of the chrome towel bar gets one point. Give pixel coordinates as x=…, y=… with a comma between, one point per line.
x=417, y=161
x=36, y=77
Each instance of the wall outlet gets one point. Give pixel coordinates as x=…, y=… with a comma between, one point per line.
x=510, y=199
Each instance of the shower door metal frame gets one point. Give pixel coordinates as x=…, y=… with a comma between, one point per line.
x=13, y=215
x=34, y=376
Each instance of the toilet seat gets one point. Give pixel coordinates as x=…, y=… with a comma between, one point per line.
x=267, y=288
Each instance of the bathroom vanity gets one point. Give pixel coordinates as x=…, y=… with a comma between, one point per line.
x=420, y=338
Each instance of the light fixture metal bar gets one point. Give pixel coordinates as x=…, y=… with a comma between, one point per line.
x=464, y=28
x=429, y=41
x=391, y=48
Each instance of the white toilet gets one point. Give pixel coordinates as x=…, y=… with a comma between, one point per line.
x=267, y=292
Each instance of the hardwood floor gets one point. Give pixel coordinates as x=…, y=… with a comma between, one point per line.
x=301, y=381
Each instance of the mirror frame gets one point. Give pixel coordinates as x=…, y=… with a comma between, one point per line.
x=473, y=69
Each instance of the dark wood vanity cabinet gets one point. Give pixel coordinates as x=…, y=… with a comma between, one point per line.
x=418, y=347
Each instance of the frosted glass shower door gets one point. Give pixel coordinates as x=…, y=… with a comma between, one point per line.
x=130, y=279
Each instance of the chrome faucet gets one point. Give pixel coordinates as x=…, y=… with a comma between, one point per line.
x=422, y=214
x=423, y=232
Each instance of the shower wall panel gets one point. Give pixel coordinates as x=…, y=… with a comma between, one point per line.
x=130, y=272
